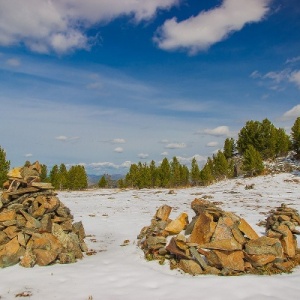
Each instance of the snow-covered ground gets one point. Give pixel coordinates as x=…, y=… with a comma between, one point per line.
x=118, y=272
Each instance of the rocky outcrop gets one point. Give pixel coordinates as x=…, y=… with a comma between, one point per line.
x=35, y=226
x=219, y=242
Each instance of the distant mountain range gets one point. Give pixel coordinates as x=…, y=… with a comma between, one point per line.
x=94, y=179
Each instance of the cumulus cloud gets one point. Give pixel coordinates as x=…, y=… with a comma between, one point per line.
x=143, y=155
x=119, y=149
x=209, y=27
x=59, y=26
x=212, y=144
x=165, y=153
x=292, y=113
x=218, y=131
x=175, y=146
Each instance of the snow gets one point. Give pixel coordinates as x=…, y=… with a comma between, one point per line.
x=120, y=272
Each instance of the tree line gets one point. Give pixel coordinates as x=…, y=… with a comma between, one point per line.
x=257, y=141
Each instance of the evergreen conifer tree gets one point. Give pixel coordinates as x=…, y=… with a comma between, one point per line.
x=4, y=167
x=252, y=161
x=103, y=182
x=195, y=172
x=295, y=134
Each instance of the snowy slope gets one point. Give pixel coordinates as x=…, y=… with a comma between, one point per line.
x=120, y=272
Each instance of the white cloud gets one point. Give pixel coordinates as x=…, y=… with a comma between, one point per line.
x=295, y=78
x=165, y=153
x=278, y=76
x=28, y=155
x=209, y=27
x=118, y=141
x=64, y=138
x=14, y=62
x=175, y=146
x=119, y=149
x=212, y=144
x=59, y=26
x=143, y=155
x=292, y=113
x=292, y=60
x=255, y=74
x=218, y=131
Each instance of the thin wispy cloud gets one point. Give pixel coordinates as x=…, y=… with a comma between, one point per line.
x=64, y=138
x=292, y=114
x=212, y=144
x=13, y=62
x=200, y=32
x=292, y=60
x=118, y=141
x=278, y=78
x=175, y=146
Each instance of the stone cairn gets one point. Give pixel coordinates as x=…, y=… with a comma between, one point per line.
x=35, y=226
x=221, y=243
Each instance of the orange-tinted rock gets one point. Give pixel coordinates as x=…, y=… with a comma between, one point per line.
x=190, y=267
x=203, y=229
x=199, y=205
x=289, y=243
x=174, y=249
x=226, y=245
x=264, y=245
x=177, y=225
x=233, y=260
x=163, y=213
x=44, y=257
x=7, y=215
x=238, y=235
x=247, y=230
x=10, y=253
x=28, y=260
x=11, y=231
x=223, y=229
x=260, y=260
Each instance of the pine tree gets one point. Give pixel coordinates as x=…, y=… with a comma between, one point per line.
x=54, y=177
x=206, y=173
x=44, y=173
x=252, y=161
x=165, y=173
x=63, y=177
x=220, y=166
x=4, y=167
x=229, y=148
x=103, y=182
x=77, y=178
x=175, y=179
x=295, y=134
x=283, y=143
x=195, y=172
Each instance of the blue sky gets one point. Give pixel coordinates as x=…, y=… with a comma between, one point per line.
x=110, y=83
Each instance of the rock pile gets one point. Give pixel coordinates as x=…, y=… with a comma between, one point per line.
x=35, y=226
x=219, y=242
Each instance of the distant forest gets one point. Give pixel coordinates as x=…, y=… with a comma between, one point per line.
x=257, y=141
